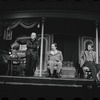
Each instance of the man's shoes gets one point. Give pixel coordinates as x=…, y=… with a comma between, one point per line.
x=57, y=75
x=48, y=75
x=52, y=76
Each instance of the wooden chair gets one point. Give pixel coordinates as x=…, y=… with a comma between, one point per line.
x=87, y=72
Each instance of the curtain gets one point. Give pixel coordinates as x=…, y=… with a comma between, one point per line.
x=69, y=47
x=10, y=24
x=26, y=23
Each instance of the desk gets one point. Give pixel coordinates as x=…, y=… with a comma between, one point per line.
x=13, y=61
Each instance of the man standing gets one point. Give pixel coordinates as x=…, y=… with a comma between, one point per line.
x=31, y=55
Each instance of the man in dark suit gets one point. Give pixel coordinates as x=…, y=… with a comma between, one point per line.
x=31, y=55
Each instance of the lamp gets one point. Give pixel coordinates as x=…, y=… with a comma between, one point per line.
x=38, y=25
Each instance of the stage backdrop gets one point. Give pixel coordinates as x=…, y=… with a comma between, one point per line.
x=69, y=47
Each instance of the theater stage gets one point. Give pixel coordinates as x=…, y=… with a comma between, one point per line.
x=44, y=81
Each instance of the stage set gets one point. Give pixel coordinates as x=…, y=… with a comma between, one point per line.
x=70, y=33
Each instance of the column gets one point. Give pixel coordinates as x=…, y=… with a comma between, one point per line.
x=97, y=54
x=41, y=50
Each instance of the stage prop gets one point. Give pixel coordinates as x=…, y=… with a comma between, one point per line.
x=68, y=70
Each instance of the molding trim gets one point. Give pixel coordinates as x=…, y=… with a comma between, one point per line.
x=50, y=14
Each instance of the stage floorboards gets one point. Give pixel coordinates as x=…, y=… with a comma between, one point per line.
x=44, y=81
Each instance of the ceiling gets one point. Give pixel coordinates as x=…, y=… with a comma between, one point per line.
x=75, y=5
x=82, y=10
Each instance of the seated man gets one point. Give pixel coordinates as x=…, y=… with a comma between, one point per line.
x=54, y=59
x=88, y=58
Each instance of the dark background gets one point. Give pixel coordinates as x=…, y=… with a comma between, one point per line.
x=92, y=7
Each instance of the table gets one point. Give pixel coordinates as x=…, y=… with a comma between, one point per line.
x=11, y=63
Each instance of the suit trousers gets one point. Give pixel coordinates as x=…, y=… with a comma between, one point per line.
x=93, y=67
x=52, y=64
x=31, y=62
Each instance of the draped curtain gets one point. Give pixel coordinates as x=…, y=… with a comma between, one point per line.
x=26, y=23
x=69, y=47
x=10, y=24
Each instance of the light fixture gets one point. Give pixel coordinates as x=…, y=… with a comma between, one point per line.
x=38, y=25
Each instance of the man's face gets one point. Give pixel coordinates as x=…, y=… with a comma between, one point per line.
x=33, y=35
x=89, y=47
x=53, y=47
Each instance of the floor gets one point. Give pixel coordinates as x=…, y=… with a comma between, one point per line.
x=44, y=81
